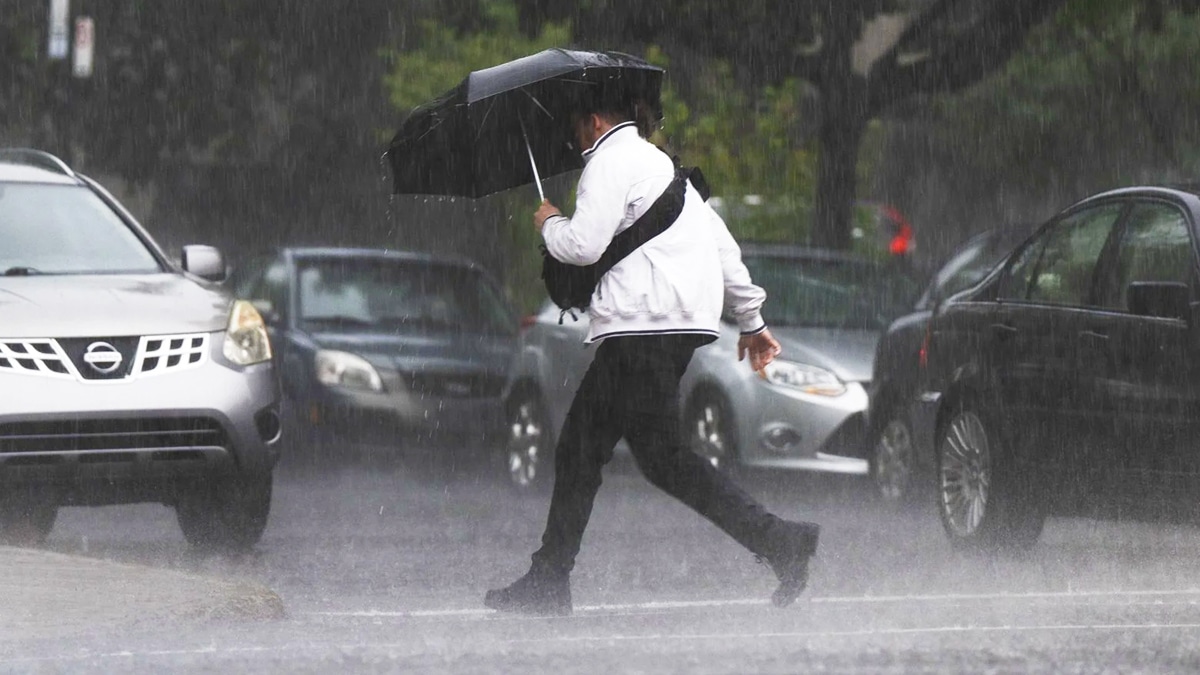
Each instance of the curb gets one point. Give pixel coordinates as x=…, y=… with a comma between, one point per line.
x=44, y=592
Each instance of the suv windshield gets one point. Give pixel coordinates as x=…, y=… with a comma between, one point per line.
x=841, y=294
x=65, y=229
x=381, y=295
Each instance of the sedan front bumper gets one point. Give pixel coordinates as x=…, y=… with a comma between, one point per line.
x=789, y=429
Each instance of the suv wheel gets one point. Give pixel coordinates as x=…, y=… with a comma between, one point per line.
x=979, y=498
x=528, y=449
x=25, y=521
x=893, y=460
x=227, y=513
x=709, y=431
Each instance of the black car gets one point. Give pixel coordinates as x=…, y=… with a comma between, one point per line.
x=1067, y=382
x=382, y=349
x=894, y=464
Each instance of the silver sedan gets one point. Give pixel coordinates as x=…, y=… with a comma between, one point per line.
x=805, y=412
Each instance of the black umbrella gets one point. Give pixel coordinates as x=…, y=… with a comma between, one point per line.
x=506, y=126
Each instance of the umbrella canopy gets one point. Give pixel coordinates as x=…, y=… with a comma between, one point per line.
x=502, y=124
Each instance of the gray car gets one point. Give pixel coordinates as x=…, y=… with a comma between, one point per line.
x=124, y=378
x=378, y=350
x=806, y=412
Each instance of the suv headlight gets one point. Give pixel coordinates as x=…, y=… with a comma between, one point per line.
x=246, y=341
x=806, y=378
x=342, y=369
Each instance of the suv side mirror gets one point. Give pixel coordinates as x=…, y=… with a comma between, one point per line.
x=1162, y=299
x=205, y=262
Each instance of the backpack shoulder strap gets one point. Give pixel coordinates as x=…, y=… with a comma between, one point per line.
x=661, y=215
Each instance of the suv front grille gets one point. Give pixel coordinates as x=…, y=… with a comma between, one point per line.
x=104, y=359
x=42, y=357
x=117, y=439
x=170, y=352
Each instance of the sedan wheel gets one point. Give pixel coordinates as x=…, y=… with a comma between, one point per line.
x=984, y=499
x=527, y=451
x=893, y=461
x=965, y=475
x=710, y=432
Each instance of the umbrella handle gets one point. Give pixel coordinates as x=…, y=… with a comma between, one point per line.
x=536, y=177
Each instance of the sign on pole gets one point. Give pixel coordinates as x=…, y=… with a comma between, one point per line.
x=85, y=46
x=60, y=13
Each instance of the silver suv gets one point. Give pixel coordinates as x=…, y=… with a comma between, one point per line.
x=123, y=376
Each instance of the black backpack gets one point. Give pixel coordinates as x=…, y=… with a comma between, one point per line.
x=572, y=286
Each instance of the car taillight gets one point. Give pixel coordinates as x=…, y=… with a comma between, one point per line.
x=902, y=242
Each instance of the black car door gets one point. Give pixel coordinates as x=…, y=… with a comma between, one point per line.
x=1146, y=378
x=1033, y=339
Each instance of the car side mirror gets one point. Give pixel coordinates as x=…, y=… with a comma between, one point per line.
x=205, y=262
x=1162, y=299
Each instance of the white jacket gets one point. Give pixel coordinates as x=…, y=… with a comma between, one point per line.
x=675, y=283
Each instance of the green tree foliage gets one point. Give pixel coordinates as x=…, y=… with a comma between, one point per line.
x=762, y=174
x=443, y=54
x=863, y=56
x=1098, y=99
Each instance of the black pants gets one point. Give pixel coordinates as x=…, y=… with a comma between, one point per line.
x=631, y=390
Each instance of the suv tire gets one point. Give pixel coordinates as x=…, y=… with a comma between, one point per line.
x=225, y=513
x=24, y=520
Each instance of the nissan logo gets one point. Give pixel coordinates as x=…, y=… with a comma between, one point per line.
x=102, y=357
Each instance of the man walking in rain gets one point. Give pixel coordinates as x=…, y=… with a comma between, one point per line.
x=649, y=313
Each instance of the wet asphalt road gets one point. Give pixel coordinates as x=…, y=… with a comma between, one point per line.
x=384, y=572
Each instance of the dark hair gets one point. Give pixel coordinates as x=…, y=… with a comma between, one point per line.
x=615, y=107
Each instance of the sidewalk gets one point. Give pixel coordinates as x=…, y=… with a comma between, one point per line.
x=44, y=593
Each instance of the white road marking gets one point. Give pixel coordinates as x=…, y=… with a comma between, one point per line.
x=360, y=646
x=831, y=600
x=866, y=632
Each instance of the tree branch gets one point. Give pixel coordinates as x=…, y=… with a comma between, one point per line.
x=963, y=58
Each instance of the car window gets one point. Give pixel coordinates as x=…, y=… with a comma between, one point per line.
x=66, y=229
x=840, y=294
x=1059, y=265
x=1155, y=246
x=383, y=295
x=966, y=267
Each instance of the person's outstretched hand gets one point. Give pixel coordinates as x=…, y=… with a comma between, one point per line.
x=544, y=211
x=762, y=347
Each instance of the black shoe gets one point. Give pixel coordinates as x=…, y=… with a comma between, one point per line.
x=794, y=544
x=536, y=593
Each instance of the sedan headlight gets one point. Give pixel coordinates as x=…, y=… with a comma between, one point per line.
x=246, y=341
x=806, y=378
x=342, y=369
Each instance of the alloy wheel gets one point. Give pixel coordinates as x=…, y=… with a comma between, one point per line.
x=525, y=444
x=894, y=457
x=965, y=474
x=709, y=433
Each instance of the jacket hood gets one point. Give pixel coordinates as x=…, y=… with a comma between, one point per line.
x=81, y=306
x=849, y=354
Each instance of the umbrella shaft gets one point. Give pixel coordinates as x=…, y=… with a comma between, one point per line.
x=536, y=178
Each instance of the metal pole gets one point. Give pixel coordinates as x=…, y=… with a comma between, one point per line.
x=536, y=177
